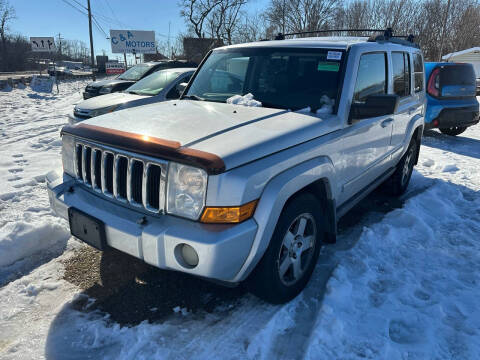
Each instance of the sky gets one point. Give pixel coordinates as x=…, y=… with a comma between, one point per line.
x=51, y=17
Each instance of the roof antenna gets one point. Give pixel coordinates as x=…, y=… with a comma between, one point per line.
x=280, y=36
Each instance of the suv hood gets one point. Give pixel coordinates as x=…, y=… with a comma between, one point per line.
x=107, y=100
x=100, y=83
x=233, y=133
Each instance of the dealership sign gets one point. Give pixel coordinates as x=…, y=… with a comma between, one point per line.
x=133, y=41
x=114, y=68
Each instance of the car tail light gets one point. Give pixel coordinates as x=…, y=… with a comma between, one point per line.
x=433, y=86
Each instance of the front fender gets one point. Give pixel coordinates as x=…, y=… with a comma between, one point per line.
x=275, y=194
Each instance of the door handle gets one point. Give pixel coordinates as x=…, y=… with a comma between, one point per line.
x=387, y=122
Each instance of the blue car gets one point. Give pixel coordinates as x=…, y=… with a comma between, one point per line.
x=451, y=102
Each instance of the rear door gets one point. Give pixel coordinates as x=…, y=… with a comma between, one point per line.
x=408, y=85
x=366, y=141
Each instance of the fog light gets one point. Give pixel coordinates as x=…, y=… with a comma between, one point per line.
x=189, y=255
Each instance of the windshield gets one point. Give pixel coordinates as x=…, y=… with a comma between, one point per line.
x=135, y=73
x=154, y=83
x=277, y=77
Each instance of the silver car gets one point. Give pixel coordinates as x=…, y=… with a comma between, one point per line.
x=159, y=86
x=244, y=178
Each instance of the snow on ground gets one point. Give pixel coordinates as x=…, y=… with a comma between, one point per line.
x=402, y=282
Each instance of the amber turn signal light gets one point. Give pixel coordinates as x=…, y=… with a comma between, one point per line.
x=228, y=215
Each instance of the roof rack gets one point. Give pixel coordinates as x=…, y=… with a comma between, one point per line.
x=407, y=40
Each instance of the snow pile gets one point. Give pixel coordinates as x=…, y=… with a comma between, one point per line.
x=326, y=106
x=409, y=287
x=20, y=239
x=245, y=100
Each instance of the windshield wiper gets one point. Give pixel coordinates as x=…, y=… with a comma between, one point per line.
x=274, y=106
x=193, y=97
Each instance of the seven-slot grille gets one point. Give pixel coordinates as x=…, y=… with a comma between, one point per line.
x=121, y=176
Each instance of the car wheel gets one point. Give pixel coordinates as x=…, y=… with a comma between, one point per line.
x=403, y=172
x=292, y=254
x=118, y=268
x=453, y=131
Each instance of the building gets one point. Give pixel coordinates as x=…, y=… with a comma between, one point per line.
x=471, y=56
x=195, y=49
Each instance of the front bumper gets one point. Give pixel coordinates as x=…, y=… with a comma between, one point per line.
x=455, y=117
x=222, y=249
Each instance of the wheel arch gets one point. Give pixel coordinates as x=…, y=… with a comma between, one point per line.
x=315, y=176
x=417, y=135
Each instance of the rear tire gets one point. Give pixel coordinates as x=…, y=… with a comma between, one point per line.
x=453, y=131
x=288, y=263
x=400, y=179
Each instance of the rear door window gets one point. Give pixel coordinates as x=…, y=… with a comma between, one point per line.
x=418, y=72
x=371, y=76
x=401, y=73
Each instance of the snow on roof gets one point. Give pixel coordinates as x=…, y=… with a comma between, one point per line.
x=466, y=51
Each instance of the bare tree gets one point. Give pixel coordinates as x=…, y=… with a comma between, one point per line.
x=251, y=27
x=7, y=14
x=196, y=13
x=301, y=15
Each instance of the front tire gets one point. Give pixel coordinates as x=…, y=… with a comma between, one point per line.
x=288, y=263
x=453, y=131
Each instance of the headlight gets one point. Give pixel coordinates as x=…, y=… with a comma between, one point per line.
x=105, y=90
x=186, y=189
x=104, y=110
x=68, y=155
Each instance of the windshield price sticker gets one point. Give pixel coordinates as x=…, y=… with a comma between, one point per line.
x=334, y=55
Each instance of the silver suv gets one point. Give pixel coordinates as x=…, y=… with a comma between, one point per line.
x=245, y=177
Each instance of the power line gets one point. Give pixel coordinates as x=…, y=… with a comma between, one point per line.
x=114, y=15
x=73, y=6
x=81, y=5
x=98, y=26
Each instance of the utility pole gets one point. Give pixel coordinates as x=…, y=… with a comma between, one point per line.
x=60, y=45
x=169, y=53
x=442, y=40
x=92, y=56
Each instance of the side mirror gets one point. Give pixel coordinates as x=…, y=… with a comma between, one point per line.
x=375, y=105
x=180, y=87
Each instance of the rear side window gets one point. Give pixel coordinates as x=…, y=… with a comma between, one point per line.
x=371, y=76
x=418, y=72
x=401, y=73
